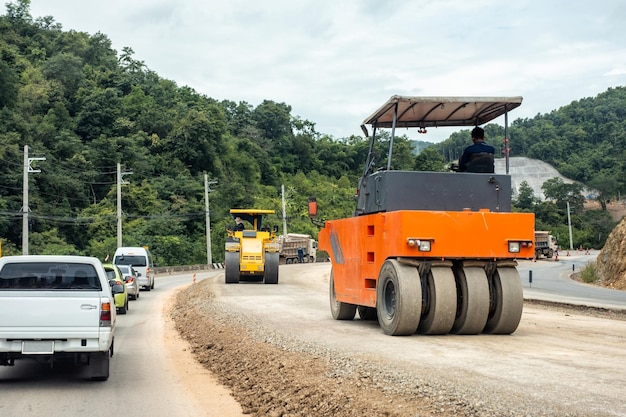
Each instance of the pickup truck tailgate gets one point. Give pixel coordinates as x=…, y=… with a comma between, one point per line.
x=47, y=314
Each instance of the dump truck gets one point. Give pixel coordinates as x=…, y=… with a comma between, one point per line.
x=291, y=242
x=544, y=244
x=430, y=252
x=251, y=253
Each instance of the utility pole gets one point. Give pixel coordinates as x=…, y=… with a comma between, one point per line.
x=507, y=148
x=207, y=190
x=569, y=225
x=282, y=188
x=119, y=202
x=25, y=209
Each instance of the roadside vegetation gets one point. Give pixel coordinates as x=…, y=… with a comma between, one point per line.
x=86, y=108
x=588, y=274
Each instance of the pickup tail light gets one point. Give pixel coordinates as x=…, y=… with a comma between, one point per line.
x=105, y=314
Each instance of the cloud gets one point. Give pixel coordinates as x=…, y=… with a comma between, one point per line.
x=336, y=62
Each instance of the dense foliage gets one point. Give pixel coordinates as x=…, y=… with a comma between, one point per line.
x=586, y=142
x=87, y=108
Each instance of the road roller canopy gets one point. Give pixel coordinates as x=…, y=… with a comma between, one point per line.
x=423, y=112
x=254, y=216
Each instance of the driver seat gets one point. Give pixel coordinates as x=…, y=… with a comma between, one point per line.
x=481, y=162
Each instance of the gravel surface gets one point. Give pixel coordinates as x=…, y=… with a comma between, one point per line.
x=273, y=373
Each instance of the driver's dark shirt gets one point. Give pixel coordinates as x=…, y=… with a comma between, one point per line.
x=478, y=147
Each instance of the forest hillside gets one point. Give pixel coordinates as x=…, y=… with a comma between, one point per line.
x=90, y=111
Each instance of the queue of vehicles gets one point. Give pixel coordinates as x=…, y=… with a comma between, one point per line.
x=64, y=308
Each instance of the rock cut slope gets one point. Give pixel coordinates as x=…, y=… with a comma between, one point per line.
x=611, y=261
x=533, y=171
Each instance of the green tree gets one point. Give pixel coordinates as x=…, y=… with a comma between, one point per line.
x=562, y=193
x=429, y=159
x=526, y=199
x=606, y=184
x=8, y=84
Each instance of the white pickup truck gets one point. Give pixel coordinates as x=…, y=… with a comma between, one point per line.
x=57, y=308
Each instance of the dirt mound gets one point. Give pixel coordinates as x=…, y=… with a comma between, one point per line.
x=611, y=261
x=269, y=381
x=617, y=209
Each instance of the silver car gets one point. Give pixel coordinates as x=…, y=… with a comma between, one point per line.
x=131, y=279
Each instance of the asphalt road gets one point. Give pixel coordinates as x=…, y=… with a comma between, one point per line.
x=144, y=380
x=553, y=360
x=551, y=282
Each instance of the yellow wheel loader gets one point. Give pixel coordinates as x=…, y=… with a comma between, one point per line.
x=252, y=251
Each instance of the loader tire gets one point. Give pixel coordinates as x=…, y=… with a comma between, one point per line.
x=231, y=267
x=271, y=268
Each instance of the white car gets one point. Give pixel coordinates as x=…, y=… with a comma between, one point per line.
x=141, y=259
x=131, y=279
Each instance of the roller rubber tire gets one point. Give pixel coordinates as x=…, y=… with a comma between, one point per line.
x=367, y=313
x=398, y=298
x=339, y=310
x=507, y=302
x=440, y=299
x=472, y=300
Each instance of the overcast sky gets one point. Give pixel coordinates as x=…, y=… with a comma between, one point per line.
x=335, y=62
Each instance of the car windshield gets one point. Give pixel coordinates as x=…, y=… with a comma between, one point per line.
x=125, y=269
x=130, y=260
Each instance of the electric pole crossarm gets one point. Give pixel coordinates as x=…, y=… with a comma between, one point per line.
x=25, y=209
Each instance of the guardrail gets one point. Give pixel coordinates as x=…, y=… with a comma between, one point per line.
x=183, y=268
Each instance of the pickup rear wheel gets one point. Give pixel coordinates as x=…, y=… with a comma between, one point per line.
x=398, y=298
x=339, y=310
x=99, y=365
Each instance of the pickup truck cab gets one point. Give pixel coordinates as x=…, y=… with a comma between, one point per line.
x=57, y=308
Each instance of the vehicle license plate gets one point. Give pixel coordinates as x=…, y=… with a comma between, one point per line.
x=38, y=347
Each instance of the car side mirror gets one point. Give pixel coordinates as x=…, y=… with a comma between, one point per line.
x=117, y=288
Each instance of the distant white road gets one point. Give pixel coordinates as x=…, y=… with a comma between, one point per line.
x=551, y=282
